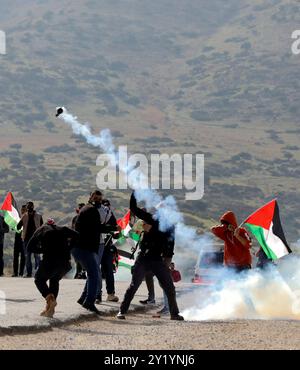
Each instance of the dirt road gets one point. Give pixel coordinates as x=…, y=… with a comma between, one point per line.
x=141, y=331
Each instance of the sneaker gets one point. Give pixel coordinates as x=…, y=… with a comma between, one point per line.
x=14, y=275
x=112, y=298
x=82, y=275
x=163, y=311
x=27, y=276
x=91, y=307
x=177, y=317
x=121, y=316
x=98, y=299
x=148, y=301
x=81, y=300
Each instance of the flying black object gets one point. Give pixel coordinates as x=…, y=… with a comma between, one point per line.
x=59, y=111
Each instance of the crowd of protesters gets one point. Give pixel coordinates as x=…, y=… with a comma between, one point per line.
x=90, y=241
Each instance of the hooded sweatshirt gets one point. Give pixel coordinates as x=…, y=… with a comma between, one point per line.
x=235, y=253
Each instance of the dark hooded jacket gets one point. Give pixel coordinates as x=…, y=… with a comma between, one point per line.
x=155, y=244
x=89, y=227
x=53, y=242
x=235, y=253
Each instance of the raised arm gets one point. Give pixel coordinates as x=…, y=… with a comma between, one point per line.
x=219, y=231
x=140, y=213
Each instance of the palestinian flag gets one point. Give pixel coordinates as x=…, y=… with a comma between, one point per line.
x=265, y=225
x=126, y=242
x=10, y=212
x=125, y=260
x=124, y=223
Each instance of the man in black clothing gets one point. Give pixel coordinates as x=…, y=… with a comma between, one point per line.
x=152, y=245
x=167, y=256
x=3, y=230
x=89, y=227
x=107, y=266
x=53, y=242
x=19, y=251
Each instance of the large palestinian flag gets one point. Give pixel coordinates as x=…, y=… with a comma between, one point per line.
x=265, y=225
x=10, y=212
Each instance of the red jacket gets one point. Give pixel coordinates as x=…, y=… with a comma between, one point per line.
x=235, y=253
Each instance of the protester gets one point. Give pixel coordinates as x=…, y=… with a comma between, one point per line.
x=30, y=221
x=51, y=241
x=150, y=259
x=107, y=264
x=89, y=226
x=237, y=242
x=167, y=255
x=3, y=230
x=262, y=259
x=105, y=216
x=150, y=287
x=19, y=252
x=80, y=273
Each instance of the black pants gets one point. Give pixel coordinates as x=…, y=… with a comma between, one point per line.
x=19, y=256
x=52, y=272
x=108, y=270
x=150, y=281
x=238, y=269
x=150, y=285
x=159, y=269
x=1, y=254
x=78, y=269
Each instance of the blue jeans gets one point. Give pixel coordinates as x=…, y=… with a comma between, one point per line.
x=107, y=270
x=89, y=261
x=37, y=259
x=100, y=254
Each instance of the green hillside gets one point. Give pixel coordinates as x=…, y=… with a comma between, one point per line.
x=170, y=76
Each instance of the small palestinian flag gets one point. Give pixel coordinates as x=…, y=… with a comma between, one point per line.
x=125, y=259
x=10, y=212
x=265, y=225
x=124, y=223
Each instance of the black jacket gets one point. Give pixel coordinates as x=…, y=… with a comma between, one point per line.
x=53, y=242
x=155, y=243
x=89, y=227
x=3, y=226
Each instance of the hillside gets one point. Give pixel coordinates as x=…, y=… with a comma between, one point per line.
x=166, y=76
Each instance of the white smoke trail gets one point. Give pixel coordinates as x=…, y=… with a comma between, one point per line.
x=168, y=215
x=271, y=294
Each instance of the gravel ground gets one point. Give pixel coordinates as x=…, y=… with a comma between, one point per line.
x=141, y=331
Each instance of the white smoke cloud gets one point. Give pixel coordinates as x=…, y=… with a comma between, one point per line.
x=270, y=294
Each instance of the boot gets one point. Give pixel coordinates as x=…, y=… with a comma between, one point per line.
x=112, y=298
x=43, y=313
x=51, y=304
